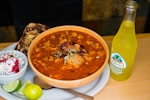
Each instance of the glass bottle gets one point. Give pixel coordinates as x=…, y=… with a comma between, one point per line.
x=124, y=45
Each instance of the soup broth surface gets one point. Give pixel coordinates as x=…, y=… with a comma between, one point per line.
x=68, y=55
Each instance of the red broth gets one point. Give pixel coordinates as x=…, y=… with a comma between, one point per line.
x=68, y=55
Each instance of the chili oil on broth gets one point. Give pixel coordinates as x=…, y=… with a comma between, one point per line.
x=84, y=55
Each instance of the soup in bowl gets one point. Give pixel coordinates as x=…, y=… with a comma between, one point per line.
x=68, y=56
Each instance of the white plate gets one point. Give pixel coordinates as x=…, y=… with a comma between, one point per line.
x=58, y=94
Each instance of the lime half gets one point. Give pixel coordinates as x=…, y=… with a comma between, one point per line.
x=12, y=86
x=20, y=91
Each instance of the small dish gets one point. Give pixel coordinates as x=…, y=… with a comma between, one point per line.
x=13, y=65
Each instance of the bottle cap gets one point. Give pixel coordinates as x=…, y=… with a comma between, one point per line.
x=131, y=5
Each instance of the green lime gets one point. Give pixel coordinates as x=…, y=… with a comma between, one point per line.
x=33, y=91
x=20, y=91
x=12, y=86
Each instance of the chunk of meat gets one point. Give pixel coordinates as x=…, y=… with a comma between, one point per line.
x=74, y=60
x=31, y=31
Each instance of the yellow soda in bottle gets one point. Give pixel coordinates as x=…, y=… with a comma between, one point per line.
x=124, y=45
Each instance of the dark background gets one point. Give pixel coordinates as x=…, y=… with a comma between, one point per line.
x=48, y=12
x=19, y=13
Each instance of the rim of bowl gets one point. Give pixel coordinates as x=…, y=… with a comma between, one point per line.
x=74, y=28
x=22, y=55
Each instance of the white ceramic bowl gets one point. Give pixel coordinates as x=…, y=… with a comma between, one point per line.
x=23, y=63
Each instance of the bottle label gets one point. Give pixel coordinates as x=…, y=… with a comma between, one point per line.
x=117, y=63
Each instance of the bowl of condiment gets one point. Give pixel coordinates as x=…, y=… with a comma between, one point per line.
x=13, y=65
x=68, y=56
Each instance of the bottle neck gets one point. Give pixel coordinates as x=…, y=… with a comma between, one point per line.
x=127, y=27
x=130, y=11
x=129, y=15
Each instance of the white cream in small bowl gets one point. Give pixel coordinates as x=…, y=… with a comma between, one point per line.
x=13, y=65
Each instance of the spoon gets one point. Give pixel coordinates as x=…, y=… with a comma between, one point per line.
x=46, y=86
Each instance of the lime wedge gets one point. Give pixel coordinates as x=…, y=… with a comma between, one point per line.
x=12, y=86
x=20, y=91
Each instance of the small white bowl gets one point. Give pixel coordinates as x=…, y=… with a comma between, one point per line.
x=22, y=66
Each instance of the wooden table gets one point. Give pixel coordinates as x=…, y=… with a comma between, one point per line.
x=137, y=87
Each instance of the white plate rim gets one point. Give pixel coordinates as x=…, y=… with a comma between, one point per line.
x=98, y=86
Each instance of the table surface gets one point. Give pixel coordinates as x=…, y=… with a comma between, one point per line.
x=137, y=87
